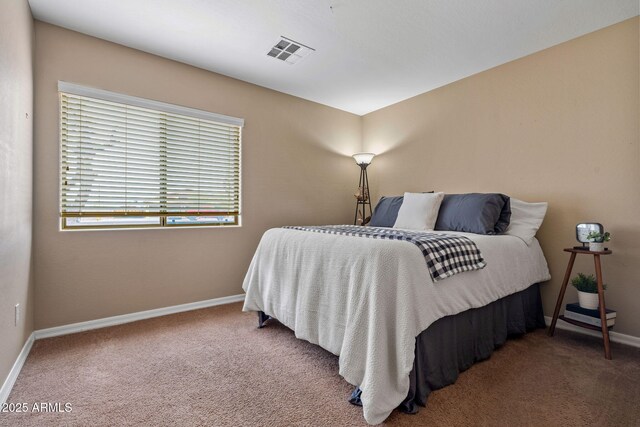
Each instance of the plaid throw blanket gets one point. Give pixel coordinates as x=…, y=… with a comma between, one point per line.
x=445, y=254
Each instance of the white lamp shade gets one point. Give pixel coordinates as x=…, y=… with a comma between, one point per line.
x=363, y=158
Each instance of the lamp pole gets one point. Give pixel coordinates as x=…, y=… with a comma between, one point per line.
x=363, y=199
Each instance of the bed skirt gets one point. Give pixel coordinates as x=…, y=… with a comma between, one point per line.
x=454, y=343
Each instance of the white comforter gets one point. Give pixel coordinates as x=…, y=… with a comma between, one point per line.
x=366, y=300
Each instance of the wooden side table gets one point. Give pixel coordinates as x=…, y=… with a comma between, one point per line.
x=602, y=307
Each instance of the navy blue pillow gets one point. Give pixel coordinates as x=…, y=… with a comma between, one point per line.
x=474, y=213
x=386, y=211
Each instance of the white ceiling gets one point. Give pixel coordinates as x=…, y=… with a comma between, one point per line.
x=369, y=53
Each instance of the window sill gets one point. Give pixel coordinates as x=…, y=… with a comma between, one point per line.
x=177, y=227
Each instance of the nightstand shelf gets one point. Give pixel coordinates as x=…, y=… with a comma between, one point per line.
x=601, y=304
x=582, y=324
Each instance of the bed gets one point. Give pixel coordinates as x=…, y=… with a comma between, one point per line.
x=373, y=303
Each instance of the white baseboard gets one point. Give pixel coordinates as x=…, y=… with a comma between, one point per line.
x=613, y=336
x=133, y=317
x=5, y=390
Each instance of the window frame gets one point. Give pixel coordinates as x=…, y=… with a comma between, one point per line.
x=99, y=94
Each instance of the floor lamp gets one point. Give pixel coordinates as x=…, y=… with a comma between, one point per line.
x=362, y=196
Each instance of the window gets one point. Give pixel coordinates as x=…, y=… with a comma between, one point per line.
x=131, y=162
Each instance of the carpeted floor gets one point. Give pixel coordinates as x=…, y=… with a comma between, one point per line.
x=214, y=367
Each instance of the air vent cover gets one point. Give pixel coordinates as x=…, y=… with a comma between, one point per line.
x=289, y=51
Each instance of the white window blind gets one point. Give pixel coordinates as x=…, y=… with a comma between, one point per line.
x=142, y=159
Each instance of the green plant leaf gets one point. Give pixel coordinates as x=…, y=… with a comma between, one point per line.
x=585, y=283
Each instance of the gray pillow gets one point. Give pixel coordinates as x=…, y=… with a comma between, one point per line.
x=386, y=211
x=474, y=213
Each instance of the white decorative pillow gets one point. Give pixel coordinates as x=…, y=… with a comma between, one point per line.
x=419, y=211
x=526, y=219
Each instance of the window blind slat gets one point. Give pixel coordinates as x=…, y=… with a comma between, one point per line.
x=124, y=182
x=142, y=157
x=134, y=143
x=120, y=159
x=176, y=171
x=111, y=189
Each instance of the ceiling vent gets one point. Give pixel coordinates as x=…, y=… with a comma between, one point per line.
x=289, y=51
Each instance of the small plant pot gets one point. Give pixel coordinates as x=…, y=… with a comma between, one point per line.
x=596, y=246
x=588, y=300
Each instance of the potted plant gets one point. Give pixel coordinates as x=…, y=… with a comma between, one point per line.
x=587, y=287
x=597, y=240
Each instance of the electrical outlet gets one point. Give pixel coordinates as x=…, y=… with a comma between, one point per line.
x=17, y=314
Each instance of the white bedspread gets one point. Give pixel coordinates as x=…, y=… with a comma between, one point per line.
x=366, y=300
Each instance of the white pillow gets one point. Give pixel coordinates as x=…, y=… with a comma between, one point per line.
x=526, y=219
x=419, y=211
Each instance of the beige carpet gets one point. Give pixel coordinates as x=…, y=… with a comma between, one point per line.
x=214, y=367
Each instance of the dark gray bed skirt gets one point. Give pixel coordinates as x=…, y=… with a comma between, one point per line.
x=454, y=343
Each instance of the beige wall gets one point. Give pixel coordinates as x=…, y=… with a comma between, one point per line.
x=16, y=142
x=560, y=126
x=296, y=170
